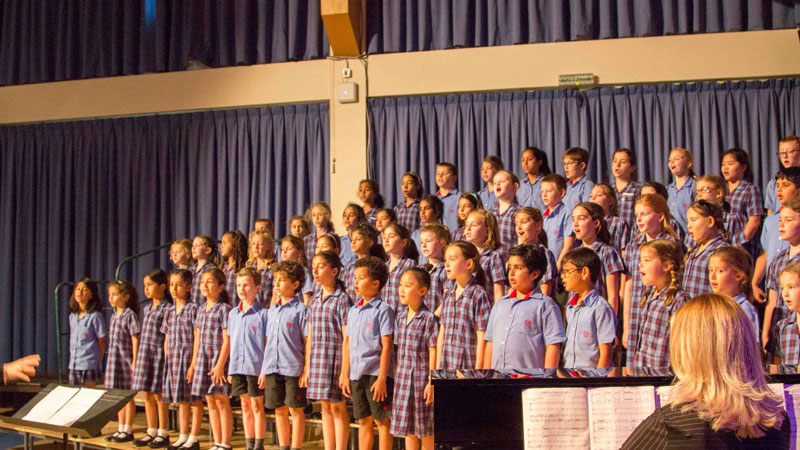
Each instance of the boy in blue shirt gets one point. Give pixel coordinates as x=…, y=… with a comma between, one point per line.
x=579, y=187
x=446, y=178
x=557, y=218
x=247, y=330
x=367, y=356
x=525, y=329
x=591, y=323
x=284, y=376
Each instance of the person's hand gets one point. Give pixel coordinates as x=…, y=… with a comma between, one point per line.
x=217, y=375
x=22, y=369
x=625, y=339
x=262, y=381
x=190, y=374
x=344, y=385
x=378, y=389
x=303, y=382
x=427, y=394
x=758, y=294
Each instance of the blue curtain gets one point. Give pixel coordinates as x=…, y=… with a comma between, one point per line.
x=416, y=25
x=77, y=197
x=56, y=40
x=413, y=133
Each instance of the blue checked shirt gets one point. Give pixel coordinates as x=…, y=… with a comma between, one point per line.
x=247, y=331
x=367, y=323
x=488, y=199
x=450, y=215
x=84, y=352
x=557, y=225
x=771, y=240
x=589, y=324
x=520, y=330
x=530, y=194
x=751, y=312
x=577, y=192
x=287, y=329
x=771, y=196
x=679, y=201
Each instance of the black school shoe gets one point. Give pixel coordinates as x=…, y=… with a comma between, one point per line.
x=159, y=442
x=194, y=446
x=120, y=437
x=145, y=441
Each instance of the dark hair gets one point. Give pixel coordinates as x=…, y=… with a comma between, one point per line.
x=293, y=270
x=585, y=257
x=214, y=256
x=417, y=181
x=269, y=222
x=471, y=252
x=537, y=217
x=128, y=289
x=334, y=238
x=332, y=259
x=298, y=244
x=389, y=212
x=219, y=275
x=360, y=216
x=158, y=276
x=597, y=213
x=474, y=199
x=741, y=157
x=577, y=153
x=631, y=158
x=791, y=174
x=708, y=209
x=533, y=258
x=659, y=188
x=186, y=275
x=558, y=180
x=377, y=200
x=495, y=161
x=410, y=248
x=421, y=275
x=435, y=203
x=239, y=255
x=450, y=166
x=251, y=272
x=304, y=222
x=94, y=302
x=370, y=233
x=540, y=155
x=376, y=269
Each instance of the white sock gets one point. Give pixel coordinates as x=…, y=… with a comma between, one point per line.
x=127, y=429
x=191, y=440
x=120, y=428
x=152, y=432
x=162, y=432
x=181, y=439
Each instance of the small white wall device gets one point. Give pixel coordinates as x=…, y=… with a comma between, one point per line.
x=347, y=92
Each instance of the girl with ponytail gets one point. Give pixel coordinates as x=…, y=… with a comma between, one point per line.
x=705, y=226
x=589, y=225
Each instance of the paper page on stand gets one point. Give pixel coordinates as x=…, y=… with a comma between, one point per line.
x=663, y=395
x=777, y=389
x=555, y=418
x=76, y=407
x=792, y=398
x=614, y=412
x=52, y=402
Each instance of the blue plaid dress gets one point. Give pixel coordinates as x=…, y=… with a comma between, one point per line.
x=408, y=216
x=789, y=340
x=620, y=232
x=458, y=235
x=149, y=373
x=492, y=264
x=326, y=319
x=506, y=227
x=612, y=263
x=211, y=325
x=632, y=268
x=197, y=297
x=461, y=319
x=651, y=342
x=230, y=284
x=626, y=199
x=179, y=328
x=349, y=279
x=551, y=273
x=391, y=290
x=119, y=365
x=372, y=216
x=410, y=414
x=695, y=269
x=265, y=293
x=781, y=311
x=746, y=201
x=438, y=281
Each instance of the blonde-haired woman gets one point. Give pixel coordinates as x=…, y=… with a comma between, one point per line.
x=720, y=398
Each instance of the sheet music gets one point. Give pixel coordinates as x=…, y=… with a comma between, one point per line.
x=777, y=389
x=663, y=395
x=792, y=397
x=51, y=403
x=76, y=407
x=614, y=412
x=555, y=418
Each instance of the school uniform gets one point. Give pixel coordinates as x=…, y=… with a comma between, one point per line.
x=408, y=215
x=367, y=323
x=284, y=354
x=771, y=202
x=265, y=292
x=349, y=279
x=530, y=193
x=371, y=216
x=247, y=331
x=651, y=342
x=119, y=365
x=178, y=327
x=491, y=262
x=506, y=227
x=612, y=263
x=631, y=259
x=558, y=225
x=626, y=199
x=85, y=362
x=461, y=319
x=620, y=232
x=230, y=283
x=751, y=313
x=521, y=329
x=695, y=269
x=210, y=325
x=771, y=240
x=415, y=237
x=276, y=247
x=789, y=340
x=433, y=298
x=488, y=199
x=346, y=253
x=679, y=201
x=414, y=339
x=746, y=202
x=551, y=273
x=589, y=324
x=149, y=373
x=308, y=283
x=390, y=293
x=773, y=271
x=458, y=235
x=450, y=201
x=327, y=316
x=197, y=274
x=578, y=191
